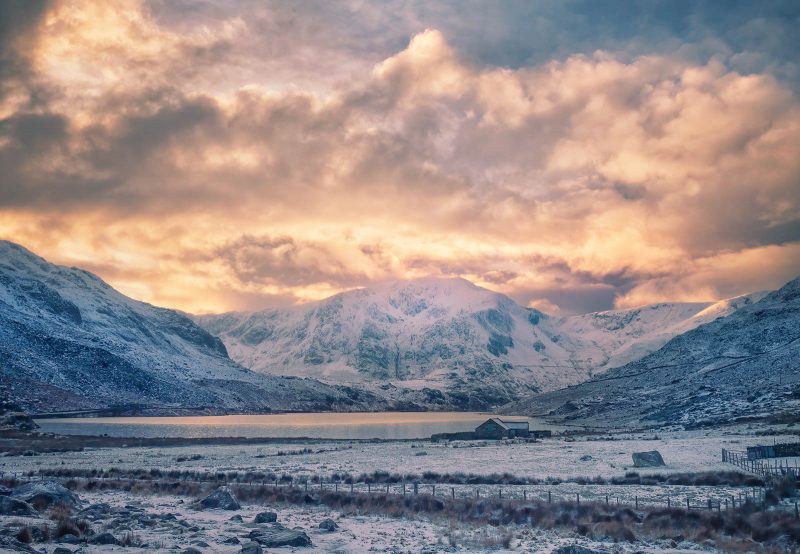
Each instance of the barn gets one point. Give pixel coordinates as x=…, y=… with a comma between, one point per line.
x=496, y=428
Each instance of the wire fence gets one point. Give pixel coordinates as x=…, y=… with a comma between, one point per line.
x=705, y=498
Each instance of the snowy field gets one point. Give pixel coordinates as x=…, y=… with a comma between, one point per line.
x=558, y=458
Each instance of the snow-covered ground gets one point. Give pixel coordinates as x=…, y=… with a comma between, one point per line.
x=214, y=531
x=694, y=451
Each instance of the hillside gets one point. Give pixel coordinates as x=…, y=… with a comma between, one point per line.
x=738, y=367
x=69, y=341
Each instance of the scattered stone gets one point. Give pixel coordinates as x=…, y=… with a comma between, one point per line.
x=648, y=459
x=328, y=525
x=252, y=548
x=279, y=536
x=231, y=540
x=104, y=538
x=221, y=499
x=586, y=458
x=266, y=517
x=237, y=518
x=13, y=507
x=577, y=549
x=45, y=494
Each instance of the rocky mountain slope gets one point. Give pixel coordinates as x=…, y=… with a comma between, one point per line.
x=69, y=341
x=737, y=367
x=451, y=336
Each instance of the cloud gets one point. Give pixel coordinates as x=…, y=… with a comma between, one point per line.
x=178, y=156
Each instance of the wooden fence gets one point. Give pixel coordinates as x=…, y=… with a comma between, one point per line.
x=768, y=468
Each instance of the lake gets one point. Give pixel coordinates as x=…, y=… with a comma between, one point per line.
x=380, y=425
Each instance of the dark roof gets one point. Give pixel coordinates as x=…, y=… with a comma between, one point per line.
x=511, y=425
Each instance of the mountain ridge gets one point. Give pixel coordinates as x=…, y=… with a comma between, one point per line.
x=451, y=335
x=69, y=341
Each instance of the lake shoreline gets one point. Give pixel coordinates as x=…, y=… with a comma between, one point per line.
x=15, y=442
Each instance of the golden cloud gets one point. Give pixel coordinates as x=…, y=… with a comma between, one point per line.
x=648, y=179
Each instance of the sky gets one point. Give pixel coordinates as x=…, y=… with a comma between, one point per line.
x=237, y=155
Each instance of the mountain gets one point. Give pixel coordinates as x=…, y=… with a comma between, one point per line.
x=68, y=341
x=738, y=367
x=478, y=346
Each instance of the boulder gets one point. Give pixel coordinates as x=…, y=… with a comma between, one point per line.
x=191, y=550
x=648, y=459
x=278, y=536
x=251, y=548
x=96, y=511
x=266, y=517
x=221, y=499
x=237, y=518
x=231, y=540
x=104, y=538
x=12, y=507
x=62, y=550
x=4, y=491
x=328, y=525
x=44, y=494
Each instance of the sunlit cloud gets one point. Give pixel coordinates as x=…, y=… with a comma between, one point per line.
x=199, y=163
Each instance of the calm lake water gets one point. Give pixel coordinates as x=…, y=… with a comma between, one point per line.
x=381, y=425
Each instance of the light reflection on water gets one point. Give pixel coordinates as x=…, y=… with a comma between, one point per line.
x=382, y=425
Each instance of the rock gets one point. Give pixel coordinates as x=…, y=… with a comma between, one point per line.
x=648, y=459
x=201, y=544
x=252, y=548
x=577, y=549
x=220, y=499
x=104, y=538
x=231, y=540
x=266, y=517
x=279, y=535
x=96, y=511
x=4, y=491
x=191, y=550
x=328, y=525
x=237, y=518
x=62, y=550
x=44, y=494
x=18, y=420
x=586, y=458
x=13, y=507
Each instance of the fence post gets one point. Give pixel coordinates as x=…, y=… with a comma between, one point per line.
x=416, y=490
x=500, y=493
x=668, y=502
x=369, y=488
x=351, y=488
x=433, y=490
x=636, y=502
x=687, y=504
x=453, y=492
x=549, y=497
x=578, y=497
x=404, y=489
x=524, y=494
